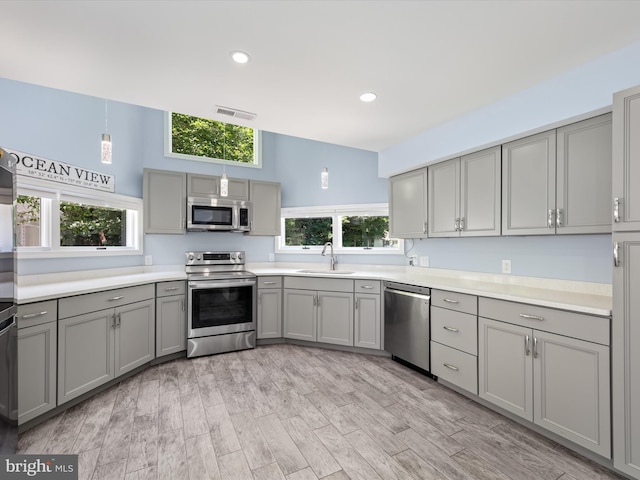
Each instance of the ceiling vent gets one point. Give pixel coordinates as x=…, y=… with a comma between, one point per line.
x=232, y=112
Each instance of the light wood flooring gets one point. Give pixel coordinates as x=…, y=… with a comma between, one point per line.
x=299, y=413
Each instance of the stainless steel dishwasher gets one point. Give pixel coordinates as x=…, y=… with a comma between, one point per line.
x=406, y=323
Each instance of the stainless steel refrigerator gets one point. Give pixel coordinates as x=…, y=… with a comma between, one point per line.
x=8, y=327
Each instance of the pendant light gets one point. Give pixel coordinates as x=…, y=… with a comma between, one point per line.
x=105, y=144
x=324, y=178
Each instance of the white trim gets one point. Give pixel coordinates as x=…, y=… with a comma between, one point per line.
x=257, y=148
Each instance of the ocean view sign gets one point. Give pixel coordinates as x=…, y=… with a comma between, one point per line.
x=44, y=169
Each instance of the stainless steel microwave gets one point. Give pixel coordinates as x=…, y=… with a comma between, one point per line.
x=218, y=215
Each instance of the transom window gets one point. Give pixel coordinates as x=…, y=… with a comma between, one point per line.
x=203, y=139
x=351, y=229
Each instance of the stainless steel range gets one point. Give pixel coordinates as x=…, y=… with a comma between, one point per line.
x=221, y=303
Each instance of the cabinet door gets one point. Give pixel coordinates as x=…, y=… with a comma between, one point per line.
x=265, y=201
x=505, y=367
x=238, y=189
x=165, y=201
x=269, y=313
x=202, y=185
x=135, y=336
x=583, y=178
x=626, y=355
x=408, y=205
x=85, y=353
x=480, y=187
x=300, y=314
x=367, y=326
x=444, y=198
x=571, y=382
x=171, y=326
x=335, y=318
x=37, y=373
x=626, y=158
x=528, y=185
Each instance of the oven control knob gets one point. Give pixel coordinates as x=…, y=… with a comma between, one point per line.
x=198, y=257
x=234, y=256
x=191, y=257
x=239, y=256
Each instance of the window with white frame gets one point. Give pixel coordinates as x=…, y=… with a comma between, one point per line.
x=194, y=138
x=358, y=229
x=64, y=221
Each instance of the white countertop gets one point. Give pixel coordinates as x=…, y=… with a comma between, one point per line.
x=584, y=297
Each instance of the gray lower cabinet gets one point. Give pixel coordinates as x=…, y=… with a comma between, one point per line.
x=557, y=382
x=265, y=202
x=367, y=328
x=626, y=354
x=97, y=346
x=171, y=318
x=164, y=196
x=335, y=318
x=269, y=307
x=37, y=347
x=408, y=205
x=300, y=315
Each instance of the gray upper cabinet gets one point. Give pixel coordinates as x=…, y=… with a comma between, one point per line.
x=408, y=205
x=265, y=201
x=583, y=181
x=464, y=195
x=528, y=185
x=626, y=160
x=209, y=186
x=165, y=201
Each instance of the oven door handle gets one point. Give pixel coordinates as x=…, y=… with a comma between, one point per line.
x=221, y=284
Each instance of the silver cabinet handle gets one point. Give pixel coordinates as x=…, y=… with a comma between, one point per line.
x=451, y=329
x=550, y=216
x=456, y=224
x=357, y=302
x=269, y=283
x=616, y=209
x=461, y=224
x=118, y=320
x=535, y=347
x=449, y=300
x=113, y=299
x=315, y=300
x=558, y=218
x=616, y=254
x=451, y=367
x=171, y=289
x=424, y=227
x=527, y=350
x=113, y=320
x=531, y=317
x=367, y=287
x=32, y=315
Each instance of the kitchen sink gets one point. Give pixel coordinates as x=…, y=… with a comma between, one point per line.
x=327, y=272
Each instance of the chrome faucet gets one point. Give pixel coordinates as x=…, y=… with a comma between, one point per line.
x=333, y=258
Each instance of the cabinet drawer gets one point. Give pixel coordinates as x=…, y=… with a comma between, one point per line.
x=37, y=313
x=269, y=282
x=455, y=367
x=460, y=302
x=166, y=289
x=570, y=324
x=92, y=302
x=367, y=286
x=455, y=329
x=317, y=283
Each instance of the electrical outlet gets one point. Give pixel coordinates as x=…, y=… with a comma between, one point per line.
x=413, y=261
x=506, y=266
x=272, y=257
x=148, y=260
x=424, y=261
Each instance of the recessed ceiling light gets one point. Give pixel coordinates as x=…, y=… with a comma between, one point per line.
x=368, y=97
x=240, y=57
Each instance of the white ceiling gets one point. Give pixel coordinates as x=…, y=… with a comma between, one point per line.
x=428, y=61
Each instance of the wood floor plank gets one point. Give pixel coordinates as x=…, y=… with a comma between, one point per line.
x=235, y=397
x=301, y=406
x=143, y=450
x=304, y=474
x=193, y=417
x=201, y=458
x=233, y=466
x=110, y=471
x=87, y=461
x=421, y=411
x=35, y=439
x=337, y=418
x=394, y=423
x=169, y=411
x=284, y=450
x=256, y=372
x=477, y=467
x=268, y=472
x=209, y=392
x=150, y=473
x=316, y=454
x=148, y=397
x=93, y=429
x=390, y=444
x=417, y=467
x=386, y=466
x=172, y=455
x=253, y=442
x=127, y=395
x=259, y=405
x=223, y=433
x=65, y=434
x=117, y=438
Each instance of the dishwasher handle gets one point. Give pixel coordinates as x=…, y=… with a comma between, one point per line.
x=408, y=294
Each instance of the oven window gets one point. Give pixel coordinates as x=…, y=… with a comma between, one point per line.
x=212, y=215
x=215, y=307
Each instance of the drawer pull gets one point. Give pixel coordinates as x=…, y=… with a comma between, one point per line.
x=268, y=283
x=33, y=315
x=450, y=300
x=527, y=350
x=451, y=367
x=531, y=317
x=367, y=287
x=113, y=299
x=451, y=329
x=171, y=289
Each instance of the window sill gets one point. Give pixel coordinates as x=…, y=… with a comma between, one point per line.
x=93, y=252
